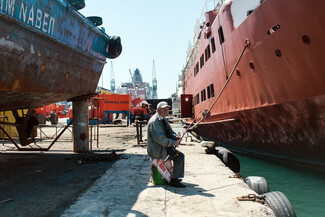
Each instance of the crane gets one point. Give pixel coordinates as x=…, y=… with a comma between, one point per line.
x=112, y=78
x=154, y=81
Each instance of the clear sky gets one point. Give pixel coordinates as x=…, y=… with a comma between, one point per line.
x=149, y=30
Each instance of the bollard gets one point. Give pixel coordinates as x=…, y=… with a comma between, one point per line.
x=137, y=127
x=139, y=130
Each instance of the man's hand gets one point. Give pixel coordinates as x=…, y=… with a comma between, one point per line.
x=176, y=144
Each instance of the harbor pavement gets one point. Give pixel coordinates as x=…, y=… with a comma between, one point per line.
x=125, y=190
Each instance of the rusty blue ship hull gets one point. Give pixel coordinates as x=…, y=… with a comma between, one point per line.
x=49, y=52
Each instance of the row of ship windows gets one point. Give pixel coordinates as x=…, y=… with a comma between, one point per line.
x=209, y=90
x=207, y=52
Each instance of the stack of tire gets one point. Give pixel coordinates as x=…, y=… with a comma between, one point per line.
x=276, y=200
x=226, y=156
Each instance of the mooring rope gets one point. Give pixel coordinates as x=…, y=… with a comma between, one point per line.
x=223, y=88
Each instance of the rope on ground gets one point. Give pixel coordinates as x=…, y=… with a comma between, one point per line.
x=5, y=201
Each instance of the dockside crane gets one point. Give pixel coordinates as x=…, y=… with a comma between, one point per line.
x=154, y=81
x=112, y=78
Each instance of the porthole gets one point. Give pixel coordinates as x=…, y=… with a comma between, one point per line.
x=251, y=65
x=238, y=73
x=278, y=52
x=306, y=39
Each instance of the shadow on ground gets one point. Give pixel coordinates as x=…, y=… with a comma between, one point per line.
x=45, y=184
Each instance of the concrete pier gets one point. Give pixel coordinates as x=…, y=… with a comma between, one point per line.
x=125, y=190
x=67, y=184
x=80, y=126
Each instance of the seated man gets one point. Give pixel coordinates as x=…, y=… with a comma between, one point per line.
x=162, y=143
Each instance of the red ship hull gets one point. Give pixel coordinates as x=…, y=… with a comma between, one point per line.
x=274, y=104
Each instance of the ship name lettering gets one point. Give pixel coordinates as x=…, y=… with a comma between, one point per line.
x=23, y=11
x=38, y=22
x=10, y=7
x=45, y=22
x=31, y=15
x=51, y=26
x=41, y=20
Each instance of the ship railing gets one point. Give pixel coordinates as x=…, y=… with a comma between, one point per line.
x=192, y=49
x=208, y=6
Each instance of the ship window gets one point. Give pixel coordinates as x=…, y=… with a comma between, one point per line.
x=206, y=54
x=212, y=90
x=203, y=95
x=202, y=61
x=208, y=90
x=221, y=36
x=196, y=69
x=213, y=45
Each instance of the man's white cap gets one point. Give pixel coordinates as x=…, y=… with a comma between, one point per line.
x=162, y=104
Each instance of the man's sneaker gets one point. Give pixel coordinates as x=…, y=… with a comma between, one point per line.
x=176, y=183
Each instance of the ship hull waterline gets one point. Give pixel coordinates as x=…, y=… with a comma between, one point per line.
x=292, y=131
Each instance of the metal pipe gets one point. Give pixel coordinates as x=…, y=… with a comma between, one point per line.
x=98, y=125
x=137, y=126
x=60, y=134
x=91, y=134
x=141, y=131
x=9, y=137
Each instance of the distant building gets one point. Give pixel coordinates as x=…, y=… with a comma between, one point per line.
x=121, y=90
x=143, y=89
x=176, y=98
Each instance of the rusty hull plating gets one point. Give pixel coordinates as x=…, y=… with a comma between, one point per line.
x=49, y=52
x=276, y=99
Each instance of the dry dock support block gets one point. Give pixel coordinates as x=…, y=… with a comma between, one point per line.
x=80, y=125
